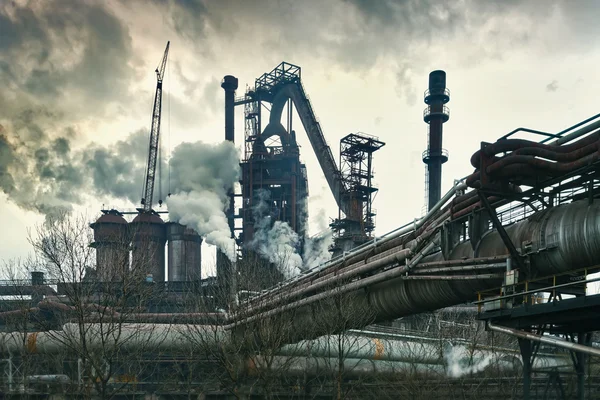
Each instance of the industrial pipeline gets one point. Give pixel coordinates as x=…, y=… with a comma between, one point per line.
x=406, y=272
x=451, y=254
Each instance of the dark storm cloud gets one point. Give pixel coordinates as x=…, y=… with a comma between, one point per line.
x=355, y=35
x=69, y=62
x=38, y=172
x=188, y=18
x=420, y=18
x=403, y=35
x=80, y=52
x=211, y=93
x=7, y=158
x=47, y=175
x=118, y=170
x=63, y=62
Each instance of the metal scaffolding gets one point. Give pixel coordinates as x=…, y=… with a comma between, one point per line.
x=355, y=226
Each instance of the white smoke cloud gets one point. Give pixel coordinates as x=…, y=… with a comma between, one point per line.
x=460, y=362
x=203, y=211
x=202, y=174
x=316, y=249
x=277, y=242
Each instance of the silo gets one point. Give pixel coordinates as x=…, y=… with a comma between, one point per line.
x=112, y=246
x=148, y=245
x=184, y=253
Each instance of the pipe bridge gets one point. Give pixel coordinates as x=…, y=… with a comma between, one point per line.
x=529, y=207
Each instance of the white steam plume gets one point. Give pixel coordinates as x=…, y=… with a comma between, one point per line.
x=275, y=242
x=202, y=174
x=461, y=363
x=316, y=249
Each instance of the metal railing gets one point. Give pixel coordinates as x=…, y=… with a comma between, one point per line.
x=549, y=136
x=428, y=92
x=427, y=112
x=529, y=292
x=429, y=154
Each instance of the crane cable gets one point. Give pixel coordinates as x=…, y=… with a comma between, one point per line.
x=169, y=129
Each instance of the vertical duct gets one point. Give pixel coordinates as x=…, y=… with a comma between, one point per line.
x=224, y=265
x=435, y=114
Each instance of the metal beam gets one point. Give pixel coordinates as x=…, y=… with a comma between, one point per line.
x=545, y=339
x=501, y=231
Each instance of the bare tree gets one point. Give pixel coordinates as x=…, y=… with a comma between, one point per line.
x=96, y=314
x=244, y=356
x=19, y=315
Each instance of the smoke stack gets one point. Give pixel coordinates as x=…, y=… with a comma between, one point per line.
x=435, y=114
x=230, y=84
x=224, y=265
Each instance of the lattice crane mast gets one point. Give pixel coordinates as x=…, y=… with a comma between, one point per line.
x=154, y=135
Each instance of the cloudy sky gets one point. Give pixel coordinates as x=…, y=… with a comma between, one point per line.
x=78, y=81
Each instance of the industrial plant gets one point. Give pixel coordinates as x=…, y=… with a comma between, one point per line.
x=491, y=285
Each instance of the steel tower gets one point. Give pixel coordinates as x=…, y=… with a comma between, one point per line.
x=435, y=114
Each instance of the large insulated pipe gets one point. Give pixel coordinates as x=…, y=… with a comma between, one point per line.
x=112, y=336
x=183, y=338
x=568, y=237
x=423, y=351
x=358, y=367
x=435, y=115
x=365, y=251
x=352, y=367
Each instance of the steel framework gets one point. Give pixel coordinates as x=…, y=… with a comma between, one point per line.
x=355, y=225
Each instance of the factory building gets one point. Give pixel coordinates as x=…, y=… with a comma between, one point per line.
x=486, y=240
x=274, y=187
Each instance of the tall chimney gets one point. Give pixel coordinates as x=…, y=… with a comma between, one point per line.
x=435, y=114
x=225, y=274
x=230, y=84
